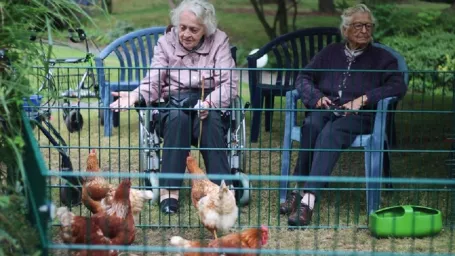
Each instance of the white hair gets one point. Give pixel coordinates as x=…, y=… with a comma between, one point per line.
x=203, y=11
x=346, y=16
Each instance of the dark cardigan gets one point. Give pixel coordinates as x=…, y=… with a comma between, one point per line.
x=312, y=85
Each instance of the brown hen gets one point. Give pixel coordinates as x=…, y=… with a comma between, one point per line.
x=115, y=226
x=216, y=205
x=97, y=193
x=253, y=238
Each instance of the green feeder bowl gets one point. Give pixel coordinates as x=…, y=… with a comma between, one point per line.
x=405, y=221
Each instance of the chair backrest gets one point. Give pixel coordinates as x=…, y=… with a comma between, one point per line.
x=134, y=52
x=295, y=50
x=401, y=61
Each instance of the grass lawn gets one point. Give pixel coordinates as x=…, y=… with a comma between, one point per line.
x=339, y=221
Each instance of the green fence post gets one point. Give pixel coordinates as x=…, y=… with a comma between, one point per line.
x=35, y=182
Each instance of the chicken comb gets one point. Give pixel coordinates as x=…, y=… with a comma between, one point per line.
x=264, y=228
x=93, y=151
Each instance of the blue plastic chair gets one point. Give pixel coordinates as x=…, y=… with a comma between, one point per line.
x=374, y=144
x=134, y=51
x=291, y=51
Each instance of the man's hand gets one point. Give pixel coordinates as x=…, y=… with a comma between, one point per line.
x=355, y=104
x=202, y=107
x=125, y=100
x=323, y=102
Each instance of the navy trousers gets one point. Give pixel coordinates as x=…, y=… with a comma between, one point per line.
x=324, y=130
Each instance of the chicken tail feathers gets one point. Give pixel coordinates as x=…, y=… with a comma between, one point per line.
x=180, y=242
x=65, y=216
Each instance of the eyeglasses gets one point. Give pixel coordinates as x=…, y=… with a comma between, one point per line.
x=359, y=26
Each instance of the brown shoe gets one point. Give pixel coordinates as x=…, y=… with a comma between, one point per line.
x=291, y=202
x=301, y=216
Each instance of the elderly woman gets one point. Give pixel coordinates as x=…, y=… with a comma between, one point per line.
x=347, y=90
x=193, y=42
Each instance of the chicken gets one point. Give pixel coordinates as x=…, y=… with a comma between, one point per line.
x=97, y=193
x=115, y=226
x=82, y=230
x=216, y=205
x=94, y=188
x=118, y=221
x=253, y=238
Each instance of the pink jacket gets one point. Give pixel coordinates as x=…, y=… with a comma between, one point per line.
x=214, y=53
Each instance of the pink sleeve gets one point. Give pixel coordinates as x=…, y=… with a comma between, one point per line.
x=227, y=80
x=152, y=83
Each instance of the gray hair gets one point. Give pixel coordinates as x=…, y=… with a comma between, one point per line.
x=346, y=17
x=203, y=11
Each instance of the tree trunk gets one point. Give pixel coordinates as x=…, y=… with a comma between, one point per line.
x=261, y=16
x=326, y=6
x=282, y=17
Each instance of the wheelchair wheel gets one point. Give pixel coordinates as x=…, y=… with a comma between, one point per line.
x=236, y=140
x=149, y=157
x=242, y=194
x=152, y=183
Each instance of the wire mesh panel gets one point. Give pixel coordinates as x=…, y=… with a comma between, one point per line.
x=420, y=170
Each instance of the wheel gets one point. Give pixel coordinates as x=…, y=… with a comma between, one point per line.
x=236, y=138
x=242, y=195
x=149, y=157
x=152, y=183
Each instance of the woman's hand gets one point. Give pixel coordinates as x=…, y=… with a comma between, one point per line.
x=125, y=100
x=203, y=107
x=324, y=102
x=355, y=104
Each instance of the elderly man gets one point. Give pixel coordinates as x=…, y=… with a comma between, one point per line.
x=335, y=130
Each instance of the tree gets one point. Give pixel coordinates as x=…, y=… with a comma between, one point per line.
x=326, y=6
x=280, y=23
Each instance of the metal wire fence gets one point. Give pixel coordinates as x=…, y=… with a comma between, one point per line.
x=421, y=166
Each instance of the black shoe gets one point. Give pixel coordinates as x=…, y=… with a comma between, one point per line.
x=169, y=206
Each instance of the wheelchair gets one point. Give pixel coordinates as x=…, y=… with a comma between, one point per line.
x=235, y=138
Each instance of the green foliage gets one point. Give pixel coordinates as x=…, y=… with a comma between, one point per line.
x=17, y=236
x=341, y=5
x=439, y=1
x=448, y=66
x=17, y=17
x=121, y=28
x=394, y=21
x=428, y=51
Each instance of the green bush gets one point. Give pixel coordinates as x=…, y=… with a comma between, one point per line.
x=393, y=21
x=17, y=236
x=426, y=52
x=439, y=1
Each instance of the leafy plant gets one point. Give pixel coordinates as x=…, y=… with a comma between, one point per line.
x=448, y=67
x=426, y=52
x=393, y=21
x=15, y=237
x=18, y=55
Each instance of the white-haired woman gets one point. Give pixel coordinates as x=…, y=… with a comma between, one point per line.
x=346, y=90
x=193, y=42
